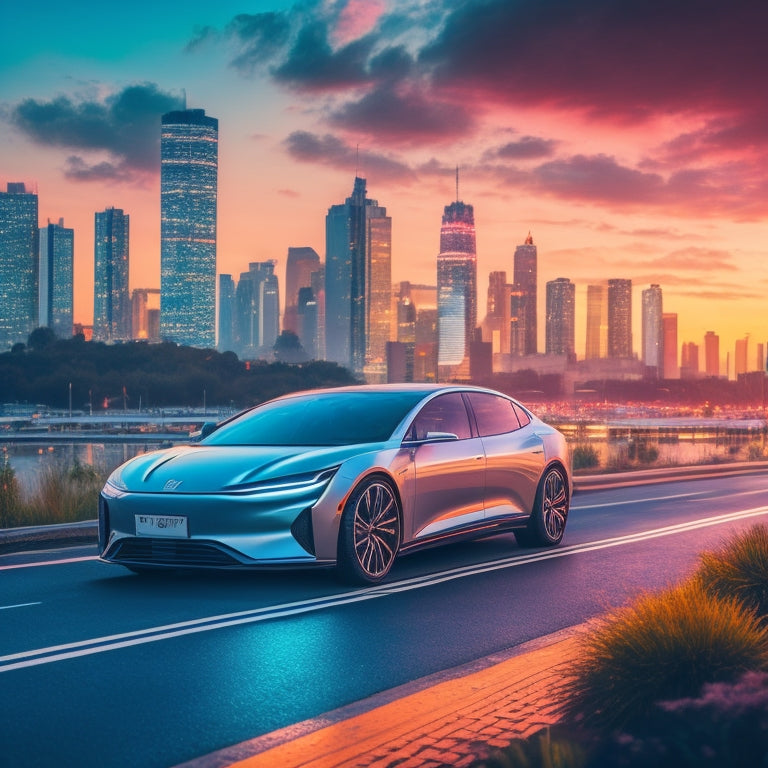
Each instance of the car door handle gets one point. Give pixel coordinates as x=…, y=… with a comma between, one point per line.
x=479, y=458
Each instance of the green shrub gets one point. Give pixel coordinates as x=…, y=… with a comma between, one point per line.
x=585, y=457
x=664, y=646
x=739, y=569
x=725, y=727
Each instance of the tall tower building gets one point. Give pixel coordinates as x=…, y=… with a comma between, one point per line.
x=301, y=263
x=619, y=318
x=525, y=269
x=653, y=329
x=561, y=317
x=358, y=281
x=741, y=356
x=671, y=370
x=111, y=299
x=711, y=354
x=456, y=283
x=19, y=237
x=226, y=339
x=145, y=313
x=597, y=322
x=188, y=190
x=689, y=360
x=257, y=314
x=55, y=279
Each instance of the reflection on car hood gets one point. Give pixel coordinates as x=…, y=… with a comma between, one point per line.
x=209, y=469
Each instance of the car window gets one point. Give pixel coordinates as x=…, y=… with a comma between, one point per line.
x=446, y=413
x=494, y=415
x=522, y=416
x=343, y=418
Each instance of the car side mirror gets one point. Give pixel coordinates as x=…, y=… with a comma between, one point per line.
x=433, y=437
x=203, y=432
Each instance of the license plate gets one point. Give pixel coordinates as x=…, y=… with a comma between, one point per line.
x=161, y=525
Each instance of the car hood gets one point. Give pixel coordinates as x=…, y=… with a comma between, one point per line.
x=216, y=468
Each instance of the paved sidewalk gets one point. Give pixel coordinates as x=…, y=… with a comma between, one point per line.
x=449, y=723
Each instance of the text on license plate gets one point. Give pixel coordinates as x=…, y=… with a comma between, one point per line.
x=161, y=525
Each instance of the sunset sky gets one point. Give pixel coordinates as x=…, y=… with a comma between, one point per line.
x=630, y=138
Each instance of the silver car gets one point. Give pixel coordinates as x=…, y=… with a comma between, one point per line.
x=349, y=477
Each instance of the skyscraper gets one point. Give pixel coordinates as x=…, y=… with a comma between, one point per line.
x=456, y=284
x=711, y=354
x=358, y=244
x=653, y=329
x=525, y=269
x=597, y=322
x=19, y=236
x=620, y=318
x=301, y=263
x=561, y=317
x=226, y=338
x=188, y=189
x=111, y=299
x=257, y=313
x=669, y=321
x=689, y=360
x=56, y=263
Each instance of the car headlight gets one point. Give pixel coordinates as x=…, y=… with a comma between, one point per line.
x=308, y=483
x=115, y=485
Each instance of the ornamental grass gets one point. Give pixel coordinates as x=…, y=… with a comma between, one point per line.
x=739, y=569
x=663, y=647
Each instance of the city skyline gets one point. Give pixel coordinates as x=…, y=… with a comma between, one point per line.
x=629, y=143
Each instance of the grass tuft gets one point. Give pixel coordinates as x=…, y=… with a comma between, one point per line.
x=663, y=647
x=739, y=569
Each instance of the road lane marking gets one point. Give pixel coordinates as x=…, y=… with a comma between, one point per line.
x=643, y=500
x=48, y=562
x=18, y=605
x=154, y=634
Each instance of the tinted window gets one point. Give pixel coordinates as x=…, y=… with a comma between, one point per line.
x=522, y=416
x=446, y=413
x=342, y=418
x=494, y=415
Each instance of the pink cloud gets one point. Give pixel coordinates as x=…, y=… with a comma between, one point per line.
x=357, y=19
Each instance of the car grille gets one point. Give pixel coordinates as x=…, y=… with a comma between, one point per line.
x=172, y=552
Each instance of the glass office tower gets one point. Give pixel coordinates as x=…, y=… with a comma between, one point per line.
x=57, y=244
x=456, y=283
x=188, y=191
x=19, y=237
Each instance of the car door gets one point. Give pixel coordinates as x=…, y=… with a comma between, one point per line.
x=514, y=455
x=449, y=468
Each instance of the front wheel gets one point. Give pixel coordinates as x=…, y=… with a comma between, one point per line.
x=550, y=512
x=369, y=536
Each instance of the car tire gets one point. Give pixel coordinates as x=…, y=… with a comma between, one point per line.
x=369, y=533
x=546, y=526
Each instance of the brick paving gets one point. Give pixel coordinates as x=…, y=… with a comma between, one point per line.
x=451, y=723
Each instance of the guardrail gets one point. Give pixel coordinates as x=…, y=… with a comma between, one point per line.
x=86, y=532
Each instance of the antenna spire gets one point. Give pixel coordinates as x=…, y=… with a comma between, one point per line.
x=457, y=183
x=357, y=160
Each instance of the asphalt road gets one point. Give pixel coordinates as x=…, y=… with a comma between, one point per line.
x=100, y=667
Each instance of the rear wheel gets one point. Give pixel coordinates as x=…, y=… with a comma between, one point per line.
x=369, y=536
x=550, y=512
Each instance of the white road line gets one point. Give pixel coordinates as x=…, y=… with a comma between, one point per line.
x=644, y=500
x=154, y=634
x=48, y=562
x=18, y=605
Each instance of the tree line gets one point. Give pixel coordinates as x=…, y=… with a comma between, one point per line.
x=97, y=376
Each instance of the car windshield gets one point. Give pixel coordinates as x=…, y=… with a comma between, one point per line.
x=326, y=418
